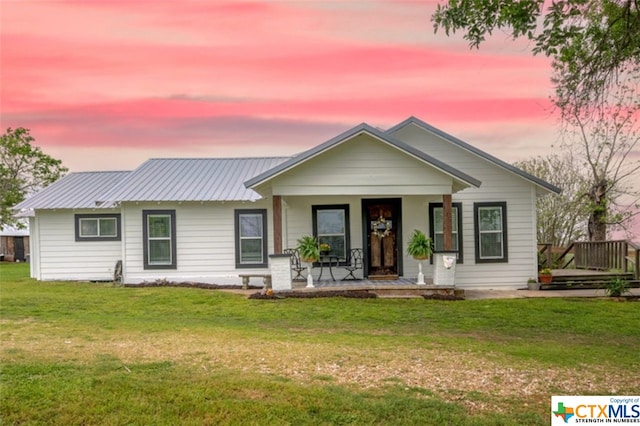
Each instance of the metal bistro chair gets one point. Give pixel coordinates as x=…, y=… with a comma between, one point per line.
x=354, y=262
x=296, y=265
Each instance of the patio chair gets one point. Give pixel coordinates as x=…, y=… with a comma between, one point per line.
x=296, y=265
x=354, y=262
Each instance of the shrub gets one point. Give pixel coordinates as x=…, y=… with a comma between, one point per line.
x=617, y=287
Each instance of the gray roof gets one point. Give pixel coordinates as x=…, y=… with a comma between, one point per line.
x=362, y=128
x=191, y=179
x=14, y=231
x=74, y=191
x=474, y=150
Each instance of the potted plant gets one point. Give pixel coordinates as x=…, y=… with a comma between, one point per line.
x=309, y=252
x=544, y=276
x=420, y=247
x=324, y=248
x=533, y=284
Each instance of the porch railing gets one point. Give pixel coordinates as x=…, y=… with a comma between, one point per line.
x=621, y=255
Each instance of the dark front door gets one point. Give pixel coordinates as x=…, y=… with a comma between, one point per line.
x=18, y=248
x=382, y=237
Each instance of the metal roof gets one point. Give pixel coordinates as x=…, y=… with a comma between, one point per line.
x=78, y=190
x=191, y=179
x=416, y=121
x=14, y=231
x=362, y=128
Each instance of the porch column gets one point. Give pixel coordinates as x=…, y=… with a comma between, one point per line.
x=447, y=228
x=277, y=224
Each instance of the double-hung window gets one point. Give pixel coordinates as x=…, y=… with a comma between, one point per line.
x=251, y=238
x=159, y=235
x=436, y=228
x=103, y=227
x=490, y=220
x=331, y=226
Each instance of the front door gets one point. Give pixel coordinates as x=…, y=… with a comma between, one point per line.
x=382, y=224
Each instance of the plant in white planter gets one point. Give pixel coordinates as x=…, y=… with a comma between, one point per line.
x=420, y=247
x=309, y=252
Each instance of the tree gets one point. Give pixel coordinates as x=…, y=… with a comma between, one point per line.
x=562, y=218
x=595, y=46
x=24, y=169
x=604, y=138
x=592, y=42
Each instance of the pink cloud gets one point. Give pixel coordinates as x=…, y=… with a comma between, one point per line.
x=148, y=74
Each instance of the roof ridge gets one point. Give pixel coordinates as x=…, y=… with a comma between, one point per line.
x=99, y=171
x=218, y=158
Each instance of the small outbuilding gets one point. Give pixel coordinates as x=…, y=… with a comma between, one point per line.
x=14, y=244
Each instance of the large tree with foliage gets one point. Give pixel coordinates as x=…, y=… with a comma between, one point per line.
x=24, y=169
x=595, y=51
x=593, y=43
x=561, y=218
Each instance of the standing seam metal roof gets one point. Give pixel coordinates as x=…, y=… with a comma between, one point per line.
x=191, y=179
x=78, y=190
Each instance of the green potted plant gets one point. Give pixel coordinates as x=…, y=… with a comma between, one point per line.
x=420, y=247
x=532, y=284
x=544, y=276
x=324, y=248
x=308, y=249
x=309, y=252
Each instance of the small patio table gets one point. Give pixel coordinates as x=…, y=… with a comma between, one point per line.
x=327, y=260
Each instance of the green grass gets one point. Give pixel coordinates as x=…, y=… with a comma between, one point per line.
x=80, y=353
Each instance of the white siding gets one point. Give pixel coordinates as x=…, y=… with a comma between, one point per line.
x=58, y=256
x=205, y=243
x=363, y=166
x=497, y=185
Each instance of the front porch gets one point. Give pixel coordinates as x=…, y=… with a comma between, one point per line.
x=400, y=288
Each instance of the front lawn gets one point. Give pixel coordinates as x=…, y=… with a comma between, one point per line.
x=80, y=353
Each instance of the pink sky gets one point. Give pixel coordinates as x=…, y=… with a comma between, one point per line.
x=106, y=84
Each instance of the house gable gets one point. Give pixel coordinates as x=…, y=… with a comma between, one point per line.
x=362, y=160
x=415, y=132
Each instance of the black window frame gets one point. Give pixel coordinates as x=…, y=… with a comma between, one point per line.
x=432, y=230
x=265, y=239
x=116, y=216
x=145, y=239
x=347, y=229
x=476, y=231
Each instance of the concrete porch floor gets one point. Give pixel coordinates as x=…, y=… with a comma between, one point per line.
x=402, y=287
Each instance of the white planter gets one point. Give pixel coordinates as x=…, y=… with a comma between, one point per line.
x=444, y=272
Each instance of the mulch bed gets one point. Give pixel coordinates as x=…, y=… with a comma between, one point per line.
x=354, y=294
x=189, y=284
x=442, y=297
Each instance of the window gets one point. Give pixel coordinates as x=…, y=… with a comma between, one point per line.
x=159, y=235
x=436, y=228
x=251, y=238
x=330, y=225
x=490, y=221
x=105, y=227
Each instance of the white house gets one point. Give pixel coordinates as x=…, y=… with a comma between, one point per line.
x=209, y=220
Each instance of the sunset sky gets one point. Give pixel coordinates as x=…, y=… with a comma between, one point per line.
x=106, y=84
